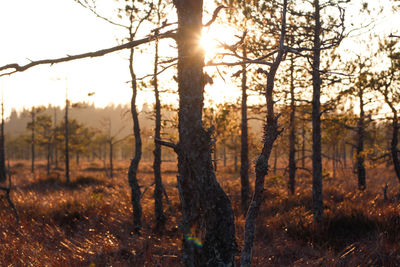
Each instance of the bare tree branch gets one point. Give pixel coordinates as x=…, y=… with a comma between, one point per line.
x=167, y=144
x=215, y=15
x=20, y=68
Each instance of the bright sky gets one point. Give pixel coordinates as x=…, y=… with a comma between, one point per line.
x=49, y=29
x=40, y=29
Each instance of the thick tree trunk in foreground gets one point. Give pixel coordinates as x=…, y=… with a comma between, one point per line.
x=292, y=134
x=244, y=152
x=271, y=132
x=158, y=188
x=318, y=206
x=360, y=145
x=208, y=220
x=133, y=167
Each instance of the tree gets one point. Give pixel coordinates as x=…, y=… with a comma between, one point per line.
x=31, y=125
x=3, y=175
x=208, y=222
x=45, y=136
x=360, y=89
x=386, y=83
x=158, y=186
x=271, y=132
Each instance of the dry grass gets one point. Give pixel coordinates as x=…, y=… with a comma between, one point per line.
x=90, y=221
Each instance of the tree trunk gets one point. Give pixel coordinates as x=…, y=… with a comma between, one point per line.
x=111, y=159
x=244, y=152
x=393, y=145
x=275, y=160
x=303, y=146
x=215, y=156
x=318, y=207
x=48, y=157
x=271, y=132
x=292, y=134
x=208, y=220
x=3, y=176
x=33, y=141
x=360, y=144
x=67, y=178
x=158, y=188
x=133, y=167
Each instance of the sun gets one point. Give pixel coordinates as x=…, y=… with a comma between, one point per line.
x=213, y=37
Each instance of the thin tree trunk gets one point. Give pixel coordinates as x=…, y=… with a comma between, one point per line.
x=393, y=145
x=67, y=178
x=215, y=156
x=133, y=167
x=111, y=159
x=208, y=220
x=275, y=160
x=244, y=152
x=55, y=140
x=158, y=188
x=318, y=207
x=292, y=134
x=360, y=144
x=271, y=132
x=303, y=146
x=33, y=141
x=3, y=176
x=48, y=157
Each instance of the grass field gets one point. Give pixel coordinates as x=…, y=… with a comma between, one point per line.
x=89, y=221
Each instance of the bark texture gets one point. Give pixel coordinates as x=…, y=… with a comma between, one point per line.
x=292, y=134
x=318, y=206
x=134, y=164
x=158, y=188
x=360, y=144
x=244, y=152
x=208, y=220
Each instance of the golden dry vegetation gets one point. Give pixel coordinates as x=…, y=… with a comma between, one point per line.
x=89, y=222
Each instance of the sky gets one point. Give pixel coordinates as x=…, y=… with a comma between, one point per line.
x=33, y=30
x=40, y=29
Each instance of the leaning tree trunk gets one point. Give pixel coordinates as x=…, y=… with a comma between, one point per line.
x=208, y=220
x=133, y=167
x=158, y=188
x=271, y=132
x=292, y=134
x=360, y=145
x=244, y=152
x=318, y=206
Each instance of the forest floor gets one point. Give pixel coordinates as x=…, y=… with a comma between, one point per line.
x=89, y=221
